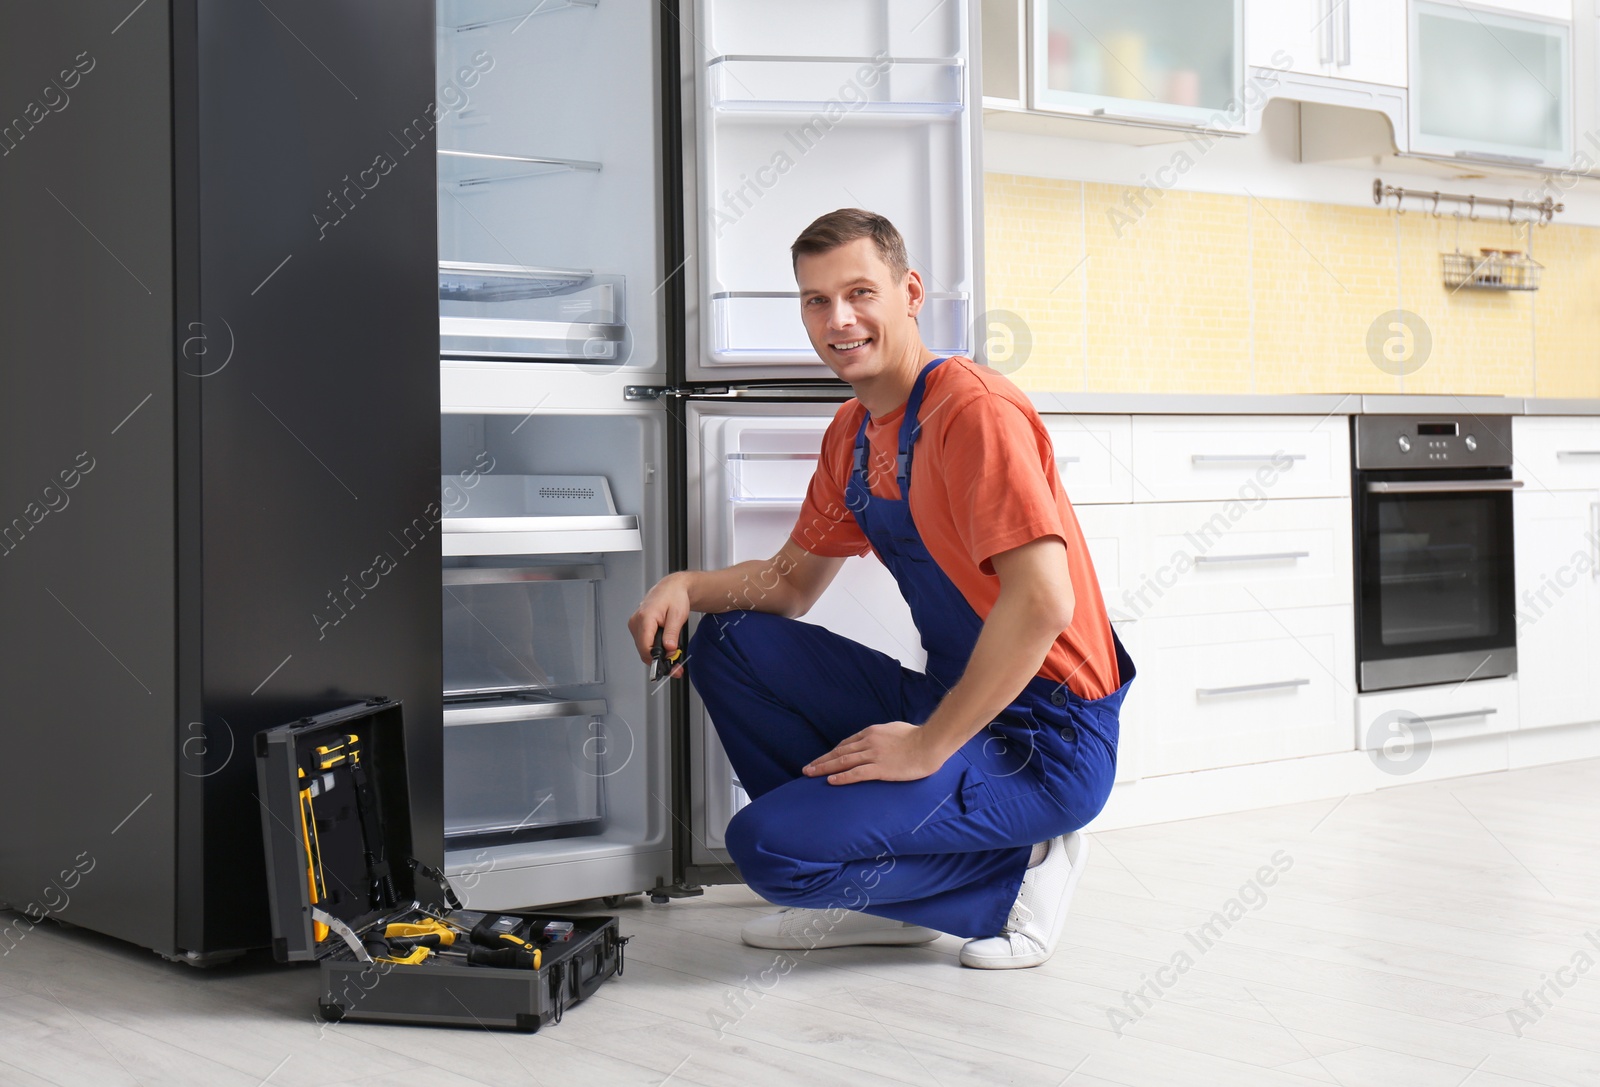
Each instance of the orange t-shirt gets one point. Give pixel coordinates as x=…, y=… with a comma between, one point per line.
x=983, y=480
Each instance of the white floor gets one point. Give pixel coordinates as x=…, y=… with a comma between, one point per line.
x=1389, y=945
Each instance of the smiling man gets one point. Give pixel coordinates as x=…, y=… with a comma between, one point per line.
x=890, y=805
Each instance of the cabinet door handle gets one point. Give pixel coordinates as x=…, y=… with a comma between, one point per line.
x=1325, y=33
x=1344, y=41
x=1249, y=687
x=1578, y=452
x=1265, y=556
x=1220, y=458
x=1068, y=458
x=1594, y=538
x=1485, y=712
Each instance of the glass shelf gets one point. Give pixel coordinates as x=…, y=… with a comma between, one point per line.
x=841, y=84
x=766, y=325
x=467, y=15
x=467, y=168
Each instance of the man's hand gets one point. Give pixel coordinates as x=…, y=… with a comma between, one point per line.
x=895, y=751
x=666, y=608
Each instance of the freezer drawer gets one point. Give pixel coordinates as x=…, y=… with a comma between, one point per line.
x=523, y=770
x=515, y=628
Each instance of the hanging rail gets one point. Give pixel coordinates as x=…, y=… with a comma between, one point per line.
x=1545, y=208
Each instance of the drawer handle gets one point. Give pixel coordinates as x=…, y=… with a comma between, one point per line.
x=1578, y=452
x=1249, y=687
x=1067, y=458
x=773, y=456
x=1216, y=458
x=1456, y=716
x=1266, y=556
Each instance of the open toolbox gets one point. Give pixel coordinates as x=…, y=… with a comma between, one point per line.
x=336, y=817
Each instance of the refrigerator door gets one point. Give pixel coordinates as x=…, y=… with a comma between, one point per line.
x=748, y=467
x=550, y=247
x=798, y=109
x=557, y=747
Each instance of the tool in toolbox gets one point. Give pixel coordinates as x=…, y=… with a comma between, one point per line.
x=661, y=662
x=342, y=872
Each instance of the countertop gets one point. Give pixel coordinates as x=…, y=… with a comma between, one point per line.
x=1305, y=404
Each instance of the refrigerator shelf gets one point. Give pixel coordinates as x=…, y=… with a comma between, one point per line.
x=468, y=168
x=787, y=84
x=521, y=706
x=464, y=281
x=464, y=16
x=541, y=535
x=765, y=325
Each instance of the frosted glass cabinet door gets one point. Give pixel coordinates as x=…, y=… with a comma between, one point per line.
x=805, y=108
x=1490, y=86
x=1163, y=61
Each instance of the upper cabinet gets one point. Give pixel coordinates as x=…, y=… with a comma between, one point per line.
x=1491, y=85
x=1362, y=40
x=1142, y=61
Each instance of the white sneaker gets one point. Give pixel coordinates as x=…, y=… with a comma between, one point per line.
x=1030, y=933
x=795, y=927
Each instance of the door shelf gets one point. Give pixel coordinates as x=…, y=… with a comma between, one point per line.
x=775, y=480
x=518, y=706
x=765, y=325
x=469, y=168
x=820, y=84
x=463, y=16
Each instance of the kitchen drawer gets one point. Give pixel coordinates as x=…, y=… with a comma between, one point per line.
x=1092, y=457
x=1245, y=688
x=1192, y=458
x=1392, y=725
x=1202, y=558
x=1112, y=536
x=1557, y=452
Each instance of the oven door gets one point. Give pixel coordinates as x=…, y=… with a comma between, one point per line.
x=1435, y=595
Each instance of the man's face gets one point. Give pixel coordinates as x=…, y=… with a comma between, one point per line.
x=858, y=317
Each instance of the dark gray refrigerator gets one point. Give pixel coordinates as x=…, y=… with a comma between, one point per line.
x=219, y=465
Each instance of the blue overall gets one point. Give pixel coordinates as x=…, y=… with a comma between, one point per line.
x=947, y=851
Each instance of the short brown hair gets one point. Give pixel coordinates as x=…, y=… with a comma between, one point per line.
x=846, y=225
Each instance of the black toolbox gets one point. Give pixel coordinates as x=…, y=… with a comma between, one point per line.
x=336, y=818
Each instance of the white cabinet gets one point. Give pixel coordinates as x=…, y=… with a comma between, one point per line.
x=1491, y=85
x=1163, y=62
x=1558, y=606
x=1557, y=534
x=1092, y=457
x=1245, y=687
x=1399, y=728
x=1243, y=458
x=1362, y=40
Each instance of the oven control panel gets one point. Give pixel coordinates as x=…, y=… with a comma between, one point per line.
x=1432, y=441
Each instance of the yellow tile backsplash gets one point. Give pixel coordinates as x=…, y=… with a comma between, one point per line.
x=1131, y=290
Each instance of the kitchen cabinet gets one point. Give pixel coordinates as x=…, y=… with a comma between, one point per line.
x=1245, y=687
x=1160, y=62
x=1195, y=458
x=1361, y=40
x=1491, y=85
x=1557, y=532
x=1092, y=457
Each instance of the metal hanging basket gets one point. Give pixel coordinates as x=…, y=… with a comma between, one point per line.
x=1492, y=270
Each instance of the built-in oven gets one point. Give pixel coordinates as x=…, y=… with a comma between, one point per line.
x=1435, y=590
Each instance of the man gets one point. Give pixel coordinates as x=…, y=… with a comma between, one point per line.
x=890, y=805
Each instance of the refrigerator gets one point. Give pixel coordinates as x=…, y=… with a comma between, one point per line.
x=218, y=404
x=626, y=387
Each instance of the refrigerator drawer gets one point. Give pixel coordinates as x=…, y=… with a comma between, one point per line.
x=508, y=311
x=520, y=628
x=523, y=770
